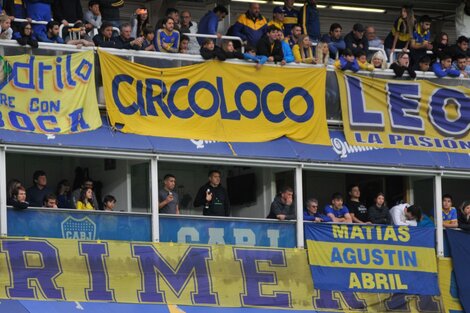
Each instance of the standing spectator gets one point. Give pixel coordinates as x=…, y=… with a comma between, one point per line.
x=50, y=201
x=347, y=61
x=167, y=39
x=39, y=10
x=444, y=68
x=286, y=49
x=24, y=36
x=189, y=27
x=283, y=207
x=126, y=41
x=309, y=18
x=67, y=11
x=440, y=44
x=168, y=199
x=250, y=26
x=291, y=16
x=464, y=216
x=278, y=18
x=294, y=37
x=402, y=65
x=85, y=201
x=379, y=61
x=311, y=212
x=105, y=37
x=18, y=200
x=52, y=34
x=405, y=214
x=139, y=20
x=271, y=47
x=5, y=30
x=210, y=50
x=421, y=41
x=336, y=211
x=372, y=38
x=356, y=208
x=92, y=17
x=149, y=36
x=209, y=22
x=378, y=213
x=322, y=53
x=355, y=40
x=402, y=31
x=64, y=198
x=39, y=190
x=334, y=40
x=462, y=19
x=15, y=9
x=303, y=51
x=109, y=202
x=449, y=213
x=461, y=47
x=110, y=11
x=213, y=197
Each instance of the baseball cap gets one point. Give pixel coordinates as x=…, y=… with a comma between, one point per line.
x=278, y=9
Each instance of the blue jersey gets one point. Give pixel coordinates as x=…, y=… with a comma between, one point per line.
x=449, y=217
x=337, y=213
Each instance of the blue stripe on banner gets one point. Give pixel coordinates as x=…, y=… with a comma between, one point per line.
x=371, y=234
x=459, y=242
x=369, y=280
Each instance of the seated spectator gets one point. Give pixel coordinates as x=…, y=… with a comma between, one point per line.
x=449, y=213
x=334, y=40
x=461, y=47
x=405, y=214
x=278, y=18
x=294, y=36
x=39, y=190
x=189, y=27
x=209, y=23
x=425, y=221
x=52, y=33
x=421, y=40
x=105, y=38
x=283, y=207
x=250, y=26
x=378, y=213
x=184, y=44
x=149, y=36
x=311, y=212
x=167, y=39
x=423, y=64
x=373, y=40
x=379, y=61
x=92, y=17
x=139, y=21
x=250, y=55
x=336, y=211
x=357, y=209
x=18, y=200
x=50, y=201
x=460, y=64
x=125, y=41
x=24, y=36
x=303, y=51
x=85, y=201
x=286, y=49
x=270, y=46
x=5, y=30
x=229, y=50
x=11, y=187
x=77, y=36
x=355, y=39
x=109, y=202
x=464, y=216
x=347, y=61
x=440, y=44
x=322, y=54
x=210, y=51
x=402, y=65
x=86, y=184
x=361, y=58
x=64, y=197
x=444, y=67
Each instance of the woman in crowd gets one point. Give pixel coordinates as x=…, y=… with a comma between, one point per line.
x=440, y=44
x=12, y=186
x=402, y=65
x=322, y=54
x=464, y=216
x=379, y=61
x=85, y=202
x=139, y=20
x=25, y=35
x=303, y=51
x=64, y=196
x=5, y=30
x=402, y=31
x=378, y=213
x=229, y=50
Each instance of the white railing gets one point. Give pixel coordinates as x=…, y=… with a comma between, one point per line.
x=233, y=38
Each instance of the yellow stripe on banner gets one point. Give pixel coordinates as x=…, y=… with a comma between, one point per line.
x=388, y=257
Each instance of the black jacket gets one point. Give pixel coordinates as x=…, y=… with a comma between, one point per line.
x=110, y=9
x=101, y=41
x=277, y=207
x=264, y=48
x=217, y=53
x=69, y=10
x=464, y=223
x=218, y=206
x=122, y=43
x=400, y=70
x=379, y=215
x=355, y=44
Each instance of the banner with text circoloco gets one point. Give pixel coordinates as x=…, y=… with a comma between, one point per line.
x=49, y=94
x=180, y=274
x=216, y=101
x=415, y=115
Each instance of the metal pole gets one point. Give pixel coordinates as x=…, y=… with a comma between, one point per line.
x=154, y=199
x=438, y=214
x=299, y=206
x=3, y=194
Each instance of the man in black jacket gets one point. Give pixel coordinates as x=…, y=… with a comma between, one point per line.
x=270, y=46
x=105, y=37
x=125, y=41
x=283, y=207
x=213, y=197
x=355, y=40
x=110, y=11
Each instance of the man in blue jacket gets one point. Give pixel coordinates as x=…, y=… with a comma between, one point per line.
x=251, y=26
x=309, y=18
x=209, y=22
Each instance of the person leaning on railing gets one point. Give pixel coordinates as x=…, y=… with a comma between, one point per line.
x=464, y=216
x=105, y=37
x=24, y=36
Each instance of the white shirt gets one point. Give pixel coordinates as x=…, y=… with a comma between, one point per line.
x=399, y=217
x=462, y=21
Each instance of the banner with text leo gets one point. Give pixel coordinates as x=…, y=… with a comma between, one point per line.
x=372, y=258
x=216, y=101
x=49, y=94
x=180, y=274
x=415, y=115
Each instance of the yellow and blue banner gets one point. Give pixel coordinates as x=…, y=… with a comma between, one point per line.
x=415, y=115
x=216, y=101
x=49, y=94
x=448, y=286
x=373, y=258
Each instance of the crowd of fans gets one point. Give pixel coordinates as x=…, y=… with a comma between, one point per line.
x=290, y=36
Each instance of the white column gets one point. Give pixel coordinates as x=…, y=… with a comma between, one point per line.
x=299, y=206
x=154, y=199
x=3, y=194
x=438, y=214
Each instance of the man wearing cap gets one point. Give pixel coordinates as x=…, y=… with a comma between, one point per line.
x=355, y=40
x=278, y=18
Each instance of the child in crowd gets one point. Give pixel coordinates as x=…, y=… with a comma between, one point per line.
x=402, y=65
x=250, y=55
x=347, y=61
x=303, y=51
x=229, y=50
x=85, y=202
x=5, y=30
x=184, y=44
x=361, y=57
x=210, y=51
x=423, y=64
x=286, y=50
x=444, y=67
x=464, y=216
x=149, y=35
x=25, y=35
x=109, y=202
x=322, y=54
x=379, y=61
